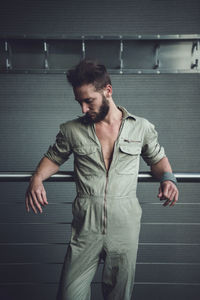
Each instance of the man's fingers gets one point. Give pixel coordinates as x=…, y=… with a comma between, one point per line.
x=44, y=197
x=36, y=202
x=160, y=194
x=169, y=193
x=174, y=198
x=26, y=202
x=39, y=197
x=35, y=196
x=163, y=195
x=166, y=203
x=166, y=191
x=31, y=203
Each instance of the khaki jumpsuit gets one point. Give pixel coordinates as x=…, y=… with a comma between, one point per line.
x=106, y=211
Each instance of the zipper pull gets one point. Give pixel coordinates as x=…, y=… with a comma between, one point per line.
x=129, y=141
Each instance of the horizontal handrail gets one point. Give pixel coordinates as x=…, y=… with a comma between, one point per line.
x=69, y=176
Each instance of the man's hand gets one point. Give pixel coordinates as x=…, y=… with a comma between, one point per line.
x=35, y=195
x=169, y=192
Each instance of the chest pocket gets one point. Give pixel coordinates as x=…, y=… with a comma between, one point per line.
x=85, y=158
x=128, y=159
x=84, y=150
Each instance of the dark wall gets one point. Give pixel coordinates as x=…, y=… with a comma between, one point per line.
x=111, y=17
x=32, y=106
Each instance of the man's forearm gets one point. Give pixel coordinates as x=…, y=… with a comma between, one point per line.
x=45, y=169
x=159, y=168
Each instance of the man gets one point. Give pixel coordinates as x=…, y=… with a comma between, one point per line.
x=107, y=143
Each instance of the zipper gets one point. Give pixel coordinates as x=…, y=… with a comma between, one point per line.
x=107, y=171
x=104, y=206
x=104, y=217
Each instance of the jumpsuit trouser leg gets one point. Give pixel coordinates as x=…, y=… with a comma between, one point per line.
x=119, y=273
x=118, y=248
x=80, y=265
x=79, y=269
x=121, y=246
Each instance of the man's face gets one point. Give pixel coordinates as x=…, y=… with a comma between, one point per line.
x=94, y=104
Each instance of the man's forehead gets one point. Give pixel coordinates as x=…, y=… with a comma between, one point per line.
x=84, y=92
x=85, y=88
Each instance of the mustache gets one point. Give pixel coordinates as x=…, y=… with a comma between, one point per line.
x=90, y=114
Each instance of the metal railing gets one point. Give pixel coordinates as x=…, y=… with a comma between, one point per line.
x=68, y=176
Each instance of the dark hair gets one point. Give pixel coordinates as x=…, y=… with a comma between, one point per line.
x=88, y=71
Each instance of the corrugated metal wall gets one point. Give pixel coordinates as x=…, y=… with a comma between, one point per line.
x=32, y=106
x=99, y=17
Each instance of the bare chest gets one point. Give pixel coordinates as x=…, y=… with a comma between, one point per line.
x=107, y=136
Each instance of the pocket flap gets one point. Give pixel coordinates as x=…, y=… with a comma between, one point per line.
x=130, y=149
x=84, y=150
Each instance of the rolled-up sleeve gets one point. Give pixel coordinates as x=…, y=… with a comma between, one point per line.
x=152, y=152
x=60, y=151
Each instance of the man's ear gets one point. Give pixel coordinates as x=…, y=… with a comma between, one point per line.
x=108, y=90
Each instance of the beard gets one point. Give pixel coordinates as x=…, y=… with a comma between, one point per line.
x=101, y=114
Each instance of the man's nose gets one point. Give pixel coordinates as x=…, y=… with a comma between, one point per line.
x=84, y=108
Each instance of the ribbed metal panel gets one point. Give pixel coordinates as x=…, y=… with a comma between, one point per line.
x=61, y=213
x=60, y=233
x=180, y=273
x=42, y=101
x=141, y=291
x=54, y=254
x=100, y=17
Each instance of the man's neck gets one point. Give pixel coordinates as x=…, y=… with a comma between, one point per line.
x=114, y=115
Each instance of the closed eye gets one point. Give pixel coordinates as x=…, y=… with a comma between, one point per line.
x=89, y=100
x=86, y=100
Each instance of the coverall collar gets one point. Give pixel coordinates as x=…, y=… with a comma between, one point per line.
x=125, y=113
x=91, y=127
